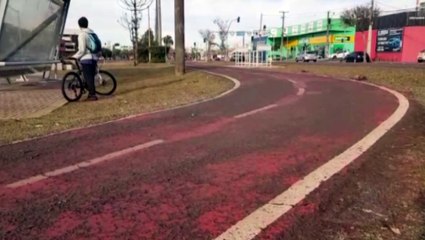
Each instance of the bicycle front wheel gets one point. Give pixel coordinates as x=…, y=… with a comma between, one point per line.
x=72, y=87
x=105, y=83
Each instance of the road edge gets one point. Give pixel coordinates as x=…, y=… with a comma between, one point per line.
x=254, y=223
x=236, y=86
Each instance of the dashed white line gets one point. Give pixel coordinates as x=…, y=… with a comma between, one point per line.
x=256, y=111
x=301, y=91
x=72, y=168
x=253, y=224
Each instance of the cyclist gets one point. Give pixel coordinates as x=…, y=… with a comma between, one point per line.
x=87, y=55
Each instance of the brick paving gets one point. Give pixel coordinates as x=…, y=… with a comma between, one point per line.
x=29, y=100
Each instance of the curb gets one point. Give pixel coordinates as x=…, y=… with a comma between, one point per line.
x=235, y=87
x=260, y=219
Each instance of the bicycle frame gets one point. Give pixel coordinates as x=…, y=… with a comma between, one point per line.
x=77, y=64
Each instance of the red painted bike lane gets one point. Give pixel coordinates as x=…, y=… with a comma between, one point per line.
x=205, y=176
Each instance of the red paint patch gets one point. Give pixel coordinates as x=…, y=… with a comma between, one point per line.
x=67, y=221
x=216, y=220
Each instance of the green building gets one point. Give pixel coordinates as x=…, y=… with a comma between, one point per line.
x=311, y=37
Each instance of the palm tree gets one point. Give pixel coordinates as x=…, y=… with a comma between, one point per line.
x=168, y=41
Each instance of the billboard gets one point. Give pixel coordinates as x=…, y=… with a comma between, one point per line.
x=390, y=40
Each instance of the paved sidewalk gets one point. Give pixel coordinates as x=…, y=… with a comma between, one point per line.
x=30, y=99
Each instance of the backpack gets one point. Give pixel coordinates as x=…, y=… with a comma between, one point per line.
x=94, y=45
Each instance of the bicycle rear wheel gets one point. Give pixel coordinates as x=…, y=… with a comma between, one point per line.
x=72, y=87
x=105, y=83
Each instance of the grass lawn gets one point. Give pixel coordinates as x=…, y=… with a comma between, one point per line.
x=141, y=89
x=408, y=80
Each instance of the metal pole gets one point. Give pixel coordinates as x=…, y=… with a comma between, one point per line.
x=369, y=37
x=261, y=22
x=283, y=34
x=158, y=23
x=328, y=47
x=149, y=34
x=179, y=35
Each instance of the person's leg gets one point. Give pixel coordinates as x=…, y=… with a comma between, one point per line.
x=89, y=71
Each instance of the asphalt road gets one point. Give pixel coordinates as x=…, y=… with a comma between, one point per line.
x=189, y=173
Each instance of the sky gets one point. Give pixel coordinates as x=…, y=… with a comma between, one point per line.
x=199, y=14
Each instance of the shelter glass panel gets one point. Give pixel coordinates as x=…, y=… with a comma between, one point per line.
x=30, y=30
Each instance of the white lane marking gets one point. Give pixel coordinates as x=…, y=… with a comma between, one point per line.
x=236, y=82
x=256, y=111
x=299, y=86
x=84, y=164
x=301, y=91
x=252, y=225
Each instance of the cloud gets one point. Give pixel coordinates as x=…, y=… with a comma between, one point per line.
x=104, y=15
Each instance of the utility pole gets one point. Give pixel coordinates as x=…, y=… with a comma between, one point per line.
x=282, y=42
x=158, y=23
x=149, y=34
x=369, y=37
x=179, y=35
x=261, y=22
x=328, y=28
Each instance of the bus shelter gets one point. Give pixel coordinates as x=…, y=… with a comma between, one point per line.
x=30, y=32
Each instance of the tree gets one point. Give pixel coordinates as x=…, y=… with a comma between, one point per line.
x=106, y=53
x=361, y=17
x=132, y=22
x=223, y=33
x=224, y=27
x=168, y=41
x=148, y=35
x=116, y=53
x=209, y=38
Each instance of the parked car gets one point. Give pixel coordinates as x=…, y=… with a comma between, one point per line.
x=339, y=55
x=237, y=55
x=307, y=57
x=357, y=57
x=277, y=56
x=217, y=57
x=421, y=56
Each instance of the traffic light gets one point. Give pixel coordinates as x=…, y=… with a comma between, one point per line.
x=238, y=19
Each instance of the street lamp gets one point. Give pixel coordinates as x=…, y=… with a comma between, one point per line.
x=113, y=49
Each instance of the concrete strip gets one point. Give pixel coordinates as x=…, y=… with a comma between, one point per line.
x=252, y=225
x=84, y=164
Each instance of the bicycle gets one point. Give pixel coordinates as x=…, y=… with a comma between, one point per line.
x=74, y=84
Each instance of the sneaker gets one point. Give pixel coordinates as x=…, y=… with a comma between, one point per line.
x=91, y=98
